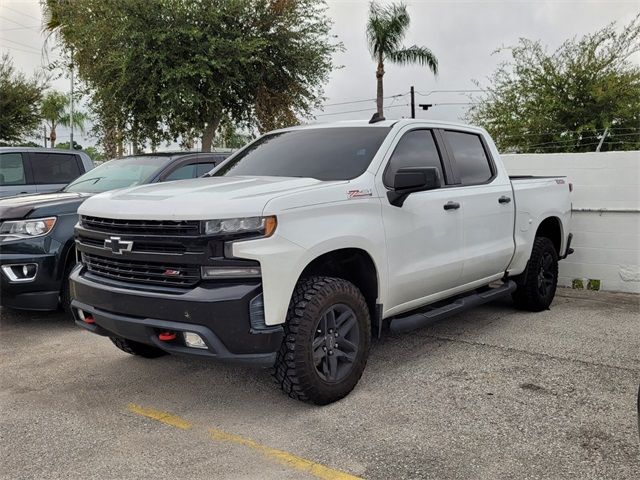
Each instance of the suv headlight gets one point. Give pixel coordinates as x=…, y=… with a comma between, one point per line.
x=30, y=228
x=263, y=226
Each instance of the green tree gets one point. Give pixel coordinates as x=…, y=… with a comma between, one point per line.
x=54, y=112
x=386, y=28
x=95, y=154
x=232, y=135
x=564, y=101
x=164, y=69
x=19, y=102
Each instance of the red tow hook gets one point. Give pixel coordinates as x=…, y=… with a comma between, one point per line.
x=167, y=336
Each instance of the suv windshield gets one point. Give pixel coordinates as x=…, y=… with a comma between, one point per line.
x=321, y=153
x=119, y=173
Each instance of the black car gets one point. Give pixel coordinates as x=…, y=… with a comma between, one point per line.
x=36, y=231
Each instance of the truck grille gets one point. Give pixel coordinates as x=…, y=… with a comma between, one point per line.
x=141, y=227
x=142, y=272
x=138, y=246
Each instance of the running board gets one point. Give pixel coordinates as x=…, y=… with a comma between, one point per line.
x=460, y=304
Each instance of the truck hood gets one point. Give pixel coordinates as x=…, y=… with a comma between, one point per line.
x=198, y=199
x=43, y=204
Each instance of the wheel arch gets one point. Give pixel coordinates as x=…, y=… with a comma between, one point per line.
x=354, y=265
x=551, y=228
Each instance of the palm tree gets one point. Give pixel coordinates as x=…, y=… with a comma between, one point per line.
x=54, y=112
x=386, y=28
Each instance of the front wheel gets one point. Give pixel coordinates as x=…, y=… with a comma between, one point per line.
x=326, y=342
x=537, y=286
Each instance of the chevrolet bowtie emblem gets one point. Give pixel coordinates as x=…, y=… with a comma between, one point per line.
x=117, y=245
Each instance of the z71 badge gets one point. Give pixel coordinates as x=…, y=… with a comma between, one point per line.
x=359, y=193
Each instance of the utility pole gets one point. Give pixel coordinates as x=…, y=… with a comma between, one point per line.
x=413, y=102
x=71, y=117
x=44, y=135
x=604, y=135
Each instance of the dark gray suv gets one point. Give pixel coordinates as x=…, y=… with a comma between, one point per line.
x=39, y=170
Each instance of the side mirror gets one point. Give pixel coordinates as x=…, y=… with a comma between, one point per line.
x=412, y=179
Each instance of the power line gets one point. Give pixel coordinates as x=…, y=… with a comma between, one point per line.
x=357, y=111
x=13, y=21
x=448, y=91
x=576, y=146
x=20, y=28
x=577, y=140
x=454, y=103
x=20, y=50
x=561, y=132
x=364, y=100
x=22, y=13
x=19, y=44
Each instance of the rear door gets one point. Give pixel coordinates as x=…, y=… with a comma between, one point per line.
x=487, y=206
x=15, y=177
x=52, y=170
x=424, y=240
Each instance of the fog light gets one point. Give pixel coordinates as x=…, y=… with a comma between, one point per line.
x=231, y=272
x=194, y=340
x=256, y=313
x=20, y=273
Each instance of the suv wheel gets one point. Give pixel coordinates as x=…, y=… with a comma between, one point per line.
x=537, y=286
x=326, y=342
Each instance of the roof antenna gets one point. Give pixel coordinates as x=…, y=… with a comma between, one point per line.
x=376, y=118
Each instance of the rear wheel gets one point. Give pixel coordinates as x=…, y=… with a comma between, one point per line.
x=537, y=286
x=136, y=348
x=326, y=343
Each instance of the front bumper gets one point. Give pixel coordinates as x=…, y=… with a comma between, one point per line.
x=41, y=293
x=218, y=312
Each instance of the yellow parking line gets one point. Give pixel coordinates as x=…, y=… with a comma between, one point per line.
x=285, y=458
x=160, y=416
x=280, y=456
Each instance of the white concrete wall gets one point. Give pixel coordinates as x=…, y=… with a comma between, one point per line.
x=606, y=213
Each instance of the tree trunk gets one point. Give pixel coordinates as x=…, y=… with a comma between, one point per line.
x=380, y=91
x=52, y=137
x=209, y=133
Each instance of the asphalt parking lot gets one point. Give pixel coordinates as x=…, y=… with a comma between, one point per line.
x=492, y=393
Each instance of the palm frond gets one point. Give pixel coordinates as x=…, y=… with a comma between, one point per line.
x=415, y=54
x=386, y=28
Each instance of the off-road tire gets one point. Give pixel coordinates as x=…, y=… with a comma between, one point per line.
x=295, y=369
x=136, y=348
x=529, y=294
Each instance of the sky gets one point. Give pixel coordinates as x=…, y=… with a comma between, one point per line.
x=463, y=34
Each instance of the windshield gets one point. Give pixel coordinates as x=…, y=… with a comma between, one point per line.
x=119, y=173
x=321, y=153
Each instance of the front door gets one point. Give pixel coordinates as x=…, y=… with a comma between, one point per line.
x=424, y=240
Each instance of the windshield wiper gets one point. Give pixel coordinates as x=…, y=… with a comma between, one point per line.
x=94, y=179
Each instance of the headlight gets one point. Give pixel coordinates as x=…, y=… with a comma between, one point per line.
x=36, y=227
x=265, y=226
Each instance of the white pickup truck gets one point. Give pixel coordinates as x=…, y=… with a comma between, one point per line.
x=308, y=241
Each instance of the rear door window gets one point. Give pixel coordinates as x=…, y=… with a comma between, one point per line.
x=203, y=168
x=54, y=167
x=182, y=173
x=416, y=148
x=12, y=169
x=470, y=157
